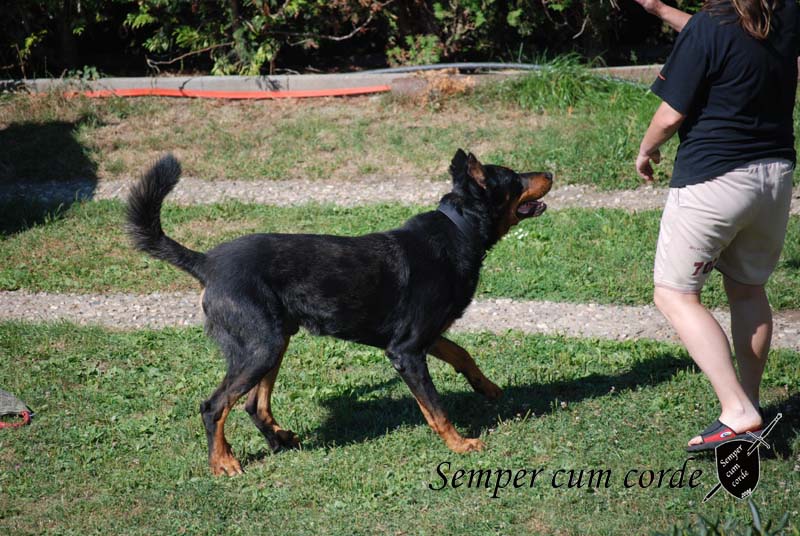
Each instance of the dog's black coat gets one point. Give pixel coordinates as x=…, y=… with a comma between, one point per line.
x=398, y=290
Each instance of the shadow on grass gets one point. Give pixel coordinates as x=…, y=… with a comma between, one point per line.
x=786, y=430
x=353, y=420
x=43, y=170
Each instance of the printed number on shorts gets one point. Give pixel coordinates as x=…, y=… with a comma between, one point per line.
x=706, y=267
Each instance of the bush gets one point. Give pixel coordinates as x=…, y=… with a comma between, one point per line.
x=258, y=36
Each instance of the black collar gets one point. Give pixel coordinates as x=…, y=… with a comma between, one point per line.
x=459, y=220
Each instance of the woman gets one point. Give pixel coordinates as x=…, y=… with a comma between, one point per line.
x=728, y=89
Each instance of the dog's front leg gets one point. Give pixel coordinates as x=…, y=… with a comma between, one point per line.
x=462, y=362
x=414, y=370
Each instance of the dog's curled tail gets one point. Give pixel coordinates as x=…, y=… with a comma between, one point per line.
x=144, y=218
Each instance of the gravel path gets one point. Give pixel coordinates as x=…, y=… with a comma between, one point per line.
x=405, y=190
x=159, y=310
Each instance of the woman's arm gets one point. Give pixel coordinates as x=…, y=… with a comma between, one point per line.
x=676, y=18
x=664, y=125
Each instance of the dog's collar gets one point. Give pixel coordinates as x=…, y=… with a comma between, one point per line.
x=458, y=219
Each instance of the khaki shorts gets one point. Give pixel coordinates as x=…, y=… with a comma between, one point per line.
x=735, y=223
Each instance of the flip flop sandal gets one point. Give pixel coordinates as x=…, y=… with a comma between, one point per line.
x=718, y=433
x=13, y=407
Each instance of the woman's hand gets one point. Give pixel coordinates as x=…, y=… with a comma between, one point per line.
x=651, y=6
x=676, y=18
x=643, y=166
x=665, y=123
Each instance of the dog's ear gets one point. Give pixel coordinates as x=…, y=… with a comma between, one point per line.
x=475, y=171
x=458, y=169
x=458, y=165
x=465, y=169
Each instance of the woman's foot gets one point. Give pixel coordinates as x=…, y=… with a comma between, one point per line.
x=727, y=427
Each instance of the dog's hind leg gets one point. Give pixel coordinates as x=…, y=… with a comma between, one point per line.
x=214, y=412
x=259, y=408
x=462, y=362
x=414, y=370
x=253, y=344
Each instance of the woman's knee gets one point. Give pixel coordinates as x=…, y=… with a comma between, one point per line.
x=660, y=299
x=740, y=292
x=667, y=299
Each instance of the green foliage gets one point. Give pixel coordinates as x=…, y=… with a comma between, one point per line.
x=249, y=36
x=29, y=43
x=85, y=74
x=566, y=83
x=733, y=527
x=420, y=50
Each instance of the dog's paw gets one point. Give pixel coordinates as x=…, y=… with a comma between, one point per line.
x=281, y=439
x=490, y=390
x=468, y=445
x=225, y=465
x=287, y=439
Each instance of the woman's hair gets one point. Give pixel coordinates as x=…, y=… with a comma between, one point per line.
x=755, y=16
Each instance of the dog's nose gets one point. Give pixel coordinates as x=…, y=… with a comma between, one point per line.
x=548, y=176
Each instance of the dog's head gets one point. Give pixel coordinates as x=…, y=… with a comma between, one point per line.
x=507, y=197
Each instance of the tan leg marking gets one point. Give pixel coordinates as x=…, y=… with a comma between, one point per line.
x=462, y=362
x=260, y=398
x=221, y=459
x=438, y=421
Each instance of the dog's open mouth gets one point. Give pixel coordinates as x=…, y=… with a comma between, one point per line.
x=531, y=209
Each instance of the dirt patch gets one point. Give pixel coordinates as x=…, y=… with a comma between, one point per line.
x=791, y=316
x=432, y=88
x=534, y=525
x=163, y=309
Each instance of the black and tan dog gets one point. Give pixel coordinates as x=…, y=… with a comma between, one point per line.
x=398, y=290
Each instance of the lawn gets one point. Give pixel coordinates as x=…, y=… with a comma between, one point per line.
x=575, y=255
x=563, y=119
x=351, y=138
x=117, y=444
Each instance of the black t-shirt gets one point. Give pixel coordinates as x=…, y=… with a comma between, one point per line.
x=737, y=93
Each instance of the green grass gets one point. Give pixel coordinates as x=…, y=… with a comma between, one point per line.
x=597, y=127
x=596, y=123
x=565, y=85
x=604, y=256
x=564, y=119
x=117, y=445
x=48, y=137
x=315, y=139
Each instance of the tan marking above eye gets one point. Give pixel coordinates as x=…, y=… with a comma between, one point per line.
x=538, y=185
